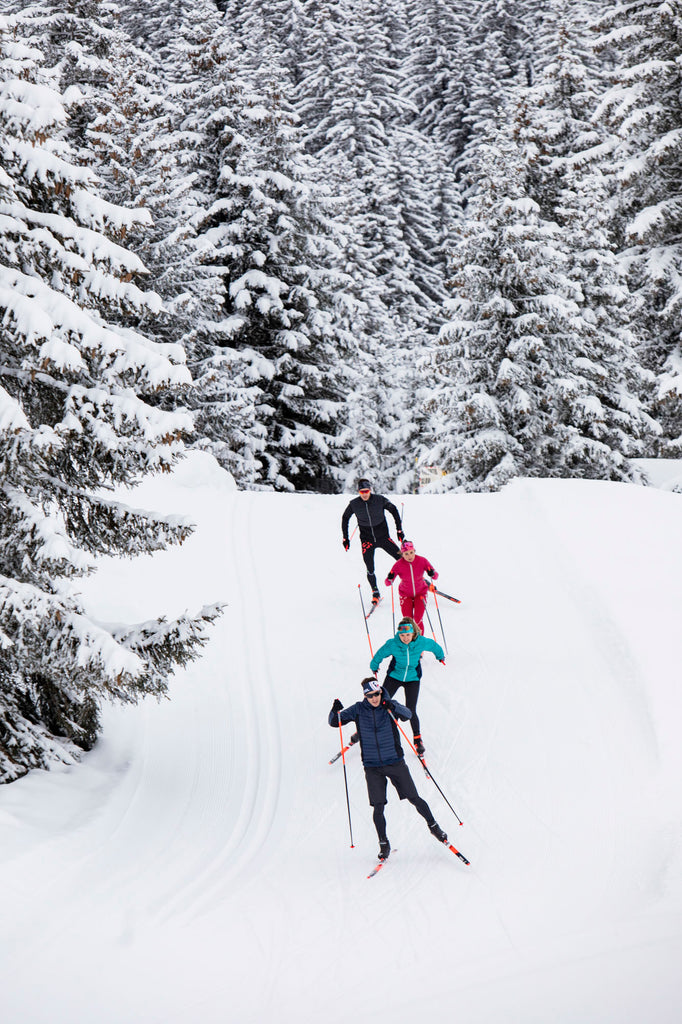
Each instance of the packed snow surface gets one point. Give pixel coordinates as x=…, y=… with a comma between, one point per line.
x=196, y=867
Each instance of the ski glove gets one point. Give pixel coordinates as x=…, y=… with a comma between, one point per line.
x=346, y=543
x=389, y=705
x=389, y=580
x=401, y=536
x=442, y=661
x=337, y=706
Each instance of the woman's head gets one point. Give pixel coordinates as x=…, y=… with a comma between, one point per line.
x=408, y=630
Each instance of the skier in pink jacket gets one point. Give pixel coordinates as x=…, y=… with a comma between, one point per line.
x=413, y=588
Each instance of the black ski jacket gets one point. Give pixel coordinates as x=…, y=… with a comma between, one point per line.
x=371, y=517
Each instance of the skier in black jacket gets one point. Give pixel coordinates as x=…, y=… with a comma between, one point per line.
x=382, y=755
x=370, y=511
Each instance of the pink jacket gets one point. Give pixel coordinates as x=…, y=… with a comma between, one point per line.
x=412, y=582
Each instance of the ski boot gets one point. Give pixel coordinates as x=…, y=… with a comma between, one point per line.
x=437, y=831
x=384, y=850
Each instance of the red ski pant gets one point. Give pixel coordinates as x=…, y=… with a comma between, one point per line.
x=414, y=607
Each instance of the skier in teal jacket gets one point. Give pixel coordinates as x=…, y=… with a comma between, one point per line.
x=405, y=650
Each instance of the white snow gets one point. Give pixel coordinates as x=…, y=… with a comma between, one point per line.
x=196, y=868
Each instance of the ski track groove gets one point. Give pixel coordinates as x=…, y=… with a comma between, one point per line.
x=260, y=759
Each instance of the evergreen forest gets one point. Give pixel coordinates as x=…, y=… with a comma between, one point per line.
x=431, y=242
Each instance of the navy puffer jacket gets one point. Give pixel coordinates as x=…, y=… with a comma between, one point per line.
x=379, y=736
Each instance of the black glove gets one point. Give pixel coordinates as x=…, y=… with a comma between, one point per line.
x=401, y=536
x=389, y=705
x=346, y=543
x=337, y=706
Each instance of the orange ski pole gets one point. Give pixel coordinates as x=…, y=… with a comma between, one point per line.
x=423, y=764
x=345, y=779
x=369, y=639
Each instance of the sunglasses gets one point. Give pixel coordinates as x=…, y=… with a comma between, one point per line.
x=374, y=693
x=365, y=490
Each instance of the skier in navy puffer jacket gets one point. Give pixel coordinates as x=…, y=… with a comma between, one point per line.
x=382, y=755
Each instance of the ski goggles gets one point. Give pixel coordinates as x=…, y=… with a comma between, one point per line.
x=405, y=628
x=364, y=490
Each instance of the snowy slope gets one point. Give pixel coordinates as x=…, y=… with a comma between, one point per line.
x=196, y=867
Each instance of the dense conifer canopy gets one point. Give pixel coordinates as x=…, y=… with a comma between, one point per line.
x=319, y=240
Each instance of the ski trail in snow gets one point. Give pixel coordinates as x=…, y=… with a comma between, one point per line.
x=252, y=746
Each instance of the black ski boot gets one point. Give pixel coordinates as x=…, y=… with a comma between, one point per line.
x=384, y=850
x=376, y=597
x=437, y=831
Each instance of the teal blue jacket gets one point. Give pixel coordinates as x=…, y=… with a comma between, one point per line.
x=405, y=664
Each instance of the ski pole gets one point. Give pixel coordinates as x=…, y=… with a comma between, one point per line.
x=392, y=608
x=427, y=770
x=435, y=598
x=455, y=599
x=345, y=779
x=433, y=632
x=369, y=639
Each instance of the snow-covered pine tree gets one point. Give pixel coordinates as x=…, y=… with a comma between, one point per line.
x=437, y=70
x=124, y=123
x=350, y=100
x=272, y=34
x=271, y=249
x=642, y=107
x=72, y=427
x=522, y=375
x=152, y=25
x=562, y=148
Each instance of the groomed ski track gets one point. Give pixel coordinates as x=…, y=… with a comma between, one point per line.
x=196, y=866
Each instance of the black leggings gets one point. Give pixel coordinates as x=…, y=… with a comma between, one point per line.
x=380, y=818
x=399, y=774
x=368, y=549
x=392, y=685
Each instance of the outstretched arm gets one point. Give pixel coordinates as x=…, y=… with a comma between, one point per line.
x=338, y=712
x=382, y=653
x=436, y=648
x=345, y=519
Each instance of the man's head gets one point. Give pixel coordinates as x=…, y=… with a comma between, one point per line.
x=364, y=488
x=371, y=688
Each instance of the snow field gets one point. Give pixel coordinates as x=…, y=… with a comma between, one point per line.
x=197, y=865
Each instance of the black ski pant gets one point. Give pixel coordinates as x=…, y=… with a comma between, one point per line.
x=368, y=549
x=392, y=685
x=399, y=774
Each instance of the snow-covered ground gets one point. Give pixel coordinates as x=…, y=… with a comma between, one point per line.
x=196, y=866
